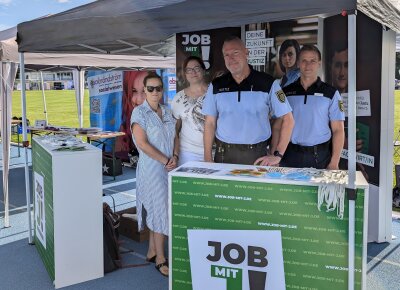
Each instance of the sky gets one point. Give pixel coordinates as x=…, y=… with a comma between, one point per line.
x=13, y=12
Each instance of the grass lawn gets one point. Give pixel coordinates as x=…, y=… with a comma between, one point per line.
x=61, y=107
x=62, y=110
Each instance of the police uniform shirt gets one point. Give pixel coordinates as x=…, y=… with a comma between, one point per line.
x=242, y=110
x=312, y=111
x=290, y=77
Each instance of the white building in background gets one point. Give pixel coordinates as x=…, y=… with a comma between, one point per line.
x=52, y=80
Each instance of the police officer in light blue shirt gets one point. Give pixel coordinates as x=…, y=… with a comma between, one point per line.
x=318, y=135
x=242, y=109
x=237, y=106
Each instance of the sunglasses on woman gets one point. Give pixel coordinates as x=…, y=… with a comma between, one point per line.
x=150, y=89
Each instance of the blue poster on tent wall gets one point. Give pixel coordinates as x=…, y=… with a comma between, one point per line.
x=169, y=83
x=105, y=90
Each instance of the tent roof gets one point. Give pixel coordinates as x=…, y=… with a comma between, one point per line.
x=46, y=61
x=386, y=12
x=142, y=27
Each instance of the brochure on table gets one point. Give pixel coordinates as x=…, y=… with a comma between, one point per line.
x=254, y=227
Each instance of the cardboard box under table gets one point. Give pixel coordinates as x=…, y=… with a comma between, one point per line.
x=251, y=227
x=67, y=188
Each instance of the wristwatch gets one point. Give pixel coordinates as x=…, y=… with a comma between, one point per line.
x=276, y=153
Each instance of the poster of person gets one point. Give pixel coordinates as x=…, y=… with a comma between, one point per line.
x=368, y=86
x=114, y=95
x=274, y=46
x=132, y=96
x=207, y=45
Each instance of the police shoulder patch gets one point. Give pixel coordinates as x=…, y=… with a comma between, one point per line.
x=281, y=96
x=341, y=106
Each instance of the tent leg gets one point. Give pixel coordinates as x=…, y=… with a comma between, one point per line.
x=3, y=94
x=8, y=71
x=352, y=142
x=79, y=84
x=82, y=95
x=44, y=98
x=25, y=139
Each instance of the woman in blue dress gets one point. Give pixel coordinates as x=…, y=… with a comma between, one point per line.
x=153, y=131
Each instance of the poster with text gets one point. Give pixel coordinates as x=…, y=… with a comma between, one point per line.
x=236, y=259
x=114, y=95
x=207, y=45
x=105, y=90
x=267, y=42
x=40, y=209
x=314, y=242
x=368, y=86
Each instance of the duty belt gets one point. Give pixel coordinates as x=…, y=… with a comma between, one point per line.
x=312, y=149
x=262, y=144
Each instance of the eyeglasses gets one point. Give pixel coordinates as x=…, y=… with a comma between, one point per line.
x=190, y=70
x=150, y=89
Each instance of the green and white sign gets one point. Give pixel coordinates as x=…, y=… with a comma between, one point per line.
x=236, y=259
x=68, y=210
x=43, y=212
x=40, y=212
x=314, y=242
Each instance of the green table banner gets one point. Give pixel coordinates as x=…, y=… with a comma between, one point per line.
x=314, y=243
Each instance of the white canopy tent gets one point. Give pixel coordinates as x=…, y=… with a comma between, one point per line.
x=46, y=61
x=142, y=27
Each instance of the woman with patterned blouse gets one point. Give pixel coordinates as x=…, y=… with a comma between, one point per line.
x=186, y=108
x=153, y=131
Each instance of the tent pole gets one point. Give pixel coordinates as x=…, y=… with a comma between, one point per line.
x=44, y=97
x=79, y=83
x=8, y=71
x=5, y=140
x=351, y=135
x=82, y=94
x=25, y=140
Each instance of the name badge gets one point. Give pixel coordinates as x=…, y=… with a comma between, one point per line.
x=319, y=94
x=221, y=90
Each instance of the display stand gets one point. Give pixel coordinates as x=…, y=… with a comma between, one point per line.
x=97, y=139
x=253, y=200
x=68, y=212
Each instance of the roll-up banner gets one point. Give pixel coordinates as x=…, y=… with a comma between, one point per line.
x=368, y=85
x=114, y=95
x=206, y=44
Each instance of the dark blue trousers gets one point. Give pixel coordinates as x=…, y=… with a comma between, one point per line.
x=297, y=158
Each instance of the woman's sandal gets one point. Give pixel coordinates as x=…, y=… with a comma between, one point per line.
x=152, y=259
x=159, y=266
